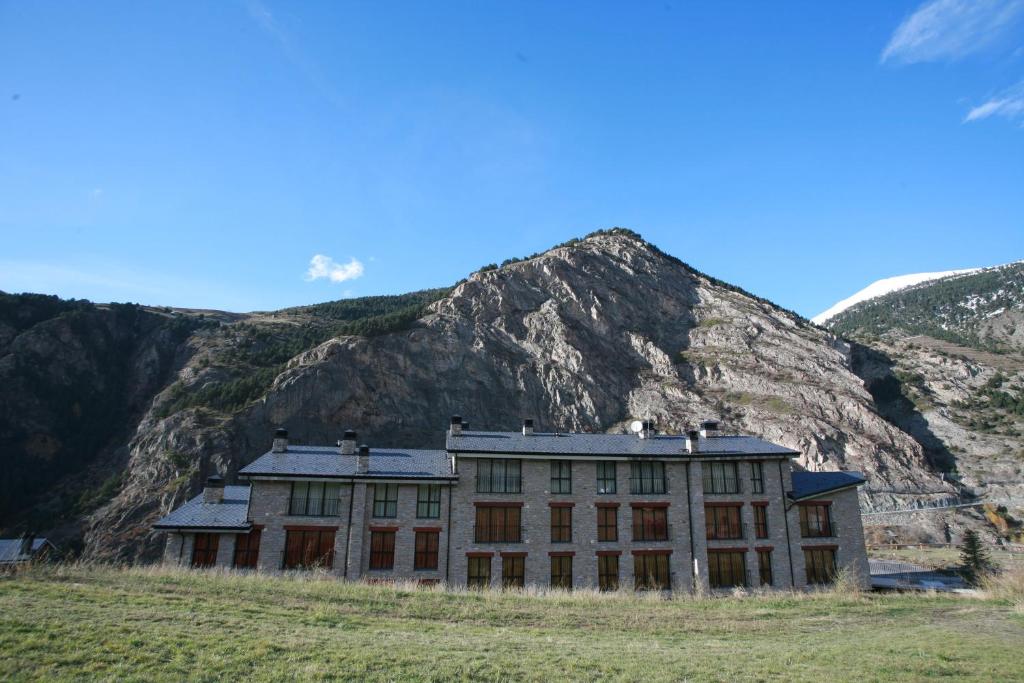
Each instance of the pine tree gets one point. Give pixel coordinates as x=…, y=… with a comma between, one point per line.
x=975, y=563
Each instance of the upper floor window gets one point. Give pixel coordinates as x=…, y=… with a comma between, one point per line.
x=647, y=477
x=315, y=499
x=650, y=524
x=428, y=501
x=496, y=524
x=500, y=475
x=561, y=524
x=723, y=521
x=757, y=477
x=606, y=476
x=761, y=520
x=721, y=477
x=385, y=500
x=561, y=476
x=815, y=520
x=607, y=524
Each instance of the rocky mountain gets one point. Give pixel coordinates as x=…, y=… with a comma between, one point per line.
x=585, y=336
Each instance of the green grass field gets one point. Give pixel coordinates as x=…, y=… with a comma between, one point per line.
x=154, y=624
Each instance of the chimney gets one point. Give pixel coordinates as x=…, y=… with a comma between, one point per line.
x=708, y=428
x=214, y=490
x=363, y=460
x=646, y=429
x=456, y=428
x=280, y=440
x=693, y=441
x=528, y=427
x=348, y=443
x=26, y=544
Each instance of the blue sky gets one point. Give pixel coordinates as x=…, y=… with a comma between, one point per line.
x=204, y=154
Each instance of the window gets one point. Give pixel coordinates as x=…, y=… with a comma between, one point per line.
x=513, y=571
x=815, y=520
x=727, y=568
x=647, y=477
x=385, y=500
x=764, y=566
x=650, y=524
x=315, y=499
x=606, y=477
x=204, y=550
x=756, y=477
x=499, y=476
x=478, y=573
x=820, y=564
x=561, y=524
x=561, y=476
x=428, y=501
x=426, y=550
x=723, y=521
x=650, y=572
x=382, y=550
x=721, y=477
x=761, y=520
x=608, y=572
x=498, y=524
x=607, y=524
x=247, y=549
x=308, y=549
x=561, y=571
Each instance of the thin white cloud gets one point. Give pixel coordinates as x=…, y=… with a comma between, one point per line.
x=951, y=29
x=324, y=267
x=1009, y=104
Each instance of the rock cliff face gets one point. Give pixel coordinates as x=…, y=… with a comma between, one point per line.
x=583, y=337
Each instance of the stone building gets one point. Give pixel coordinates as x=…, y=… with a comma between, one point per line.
x=638, y=511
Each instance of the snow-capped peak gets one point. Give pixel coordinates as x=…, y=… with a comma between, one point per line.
x=883, y=287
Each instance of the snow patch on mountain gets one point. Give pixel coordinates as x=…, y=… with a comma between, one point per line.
x=883, y=287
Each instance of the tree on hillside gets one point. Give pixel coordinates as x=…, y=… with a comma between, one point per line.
x=975, y=563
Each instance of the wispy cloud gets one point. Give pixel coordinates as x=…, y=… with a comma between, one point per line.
x=1008, y=104
x=260, y=13
x=321, y=267
x=951, y=29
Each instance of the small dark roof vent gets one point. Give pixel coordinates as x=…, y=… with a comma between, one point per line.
x=215, y=481
x=364, y=450
x=456, y=419
x=281, y=433
x=350, y=435
x=693, y=434
x=528, y=422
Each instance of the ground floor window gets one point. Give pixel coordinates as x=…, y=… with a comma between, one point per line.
x=426, y=550
x=478, y=573
x=608, y=572
x=650, y=572
x=247, y=549
x=382, y=550
x=727, y=568
x=309, y=549
x=204, y=550
x=764, y=566
x=821, y=565
x=513, y=571
x=561, y=571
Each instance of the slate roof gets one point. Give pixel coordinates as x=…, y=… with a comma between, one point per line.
x=10, y=549
x=608, y=444
x=809, y=484
x=327, y=461
x=232, y=514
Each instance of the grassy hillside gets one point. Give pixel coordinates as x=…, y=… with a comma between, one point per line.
x=156, y=624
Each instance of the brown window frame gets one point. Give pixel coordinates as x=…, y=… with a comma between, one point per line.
x=760, y=520
x=247, y=550
x=608, y=571
x=426, y=551
x=650, y=523
x=723, y=567
x=561, y=524
x=498, y=524
x=204, y=553
x=513, y=570
x=382, y=549
x=478, y=571
x=309, y=548
x=764, y=566
x=607, y=524
x=723, y=522
x=651, y=571
x=561, y=571
x=811, y=526
x=820, y=565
